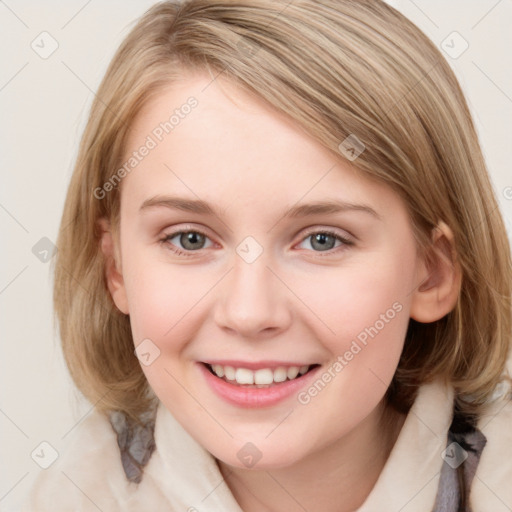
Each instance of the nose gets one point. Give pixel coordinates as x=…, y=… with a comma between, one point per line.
x=253, y=302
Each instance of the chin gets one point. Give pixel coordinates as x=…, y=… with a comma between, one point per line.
x=261, y=456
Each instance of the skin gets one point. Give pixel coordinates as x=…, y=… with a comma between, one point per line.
x=295, y=302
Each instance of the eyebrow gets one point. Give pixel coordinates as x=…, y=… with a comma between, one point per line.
x=297, y=211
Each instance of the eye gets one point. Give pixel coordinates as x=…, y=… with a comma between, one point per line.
x=189, y=240
x=323, y=241
x=185, y=242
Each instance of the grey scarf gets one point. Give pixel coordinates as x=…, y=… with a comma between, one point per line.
x=136, y=445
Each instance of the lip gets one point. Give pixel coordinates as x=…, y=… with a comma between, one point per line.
x=249, y=397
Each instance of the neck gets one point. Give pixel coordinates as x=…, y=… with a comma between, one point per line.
x=336, y=478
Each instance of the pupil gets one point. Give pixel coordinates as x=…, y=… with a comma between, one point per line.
x=189, y=239
x=323, y=240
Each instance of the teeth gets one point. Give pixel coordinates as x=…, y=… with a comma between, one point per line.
x=280, y=374
x=292, y=372
x=244, y=376
x=229, y=372
x=303, y=370
x=219, y=370
x=261, y=378
x=264, y=376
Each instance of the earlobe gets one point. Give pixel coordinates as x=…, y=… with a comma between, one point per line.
x=441, y=277
x=112, y=268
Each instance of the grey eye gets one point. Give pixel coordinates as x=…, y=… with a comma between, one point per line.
x=322, y=241
x=188, y=240
x=191, y=240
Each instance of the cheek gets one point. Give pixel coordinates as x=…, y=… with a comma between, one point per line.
x=161, y=295
x=353, y=302
x=162, y=301
x=366, y=308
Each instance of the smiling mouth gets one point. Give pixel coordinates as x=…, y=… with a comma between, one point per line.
x=261, y=378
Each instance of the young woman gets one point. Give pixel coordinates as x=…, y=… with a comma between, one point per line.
x=282, y=278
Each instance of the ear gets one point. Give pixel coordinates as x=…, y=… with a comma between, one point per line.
x=440, y=276
x=112, y=269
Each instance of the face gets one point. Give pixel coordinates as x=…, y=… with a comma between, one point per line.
x=268, y=283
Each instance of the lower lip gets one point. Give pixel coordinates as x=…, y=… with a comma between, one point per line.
x=250, y=397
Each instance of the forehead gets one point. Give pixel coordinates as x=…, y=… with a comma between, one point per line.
x=222, y=114
x=211, y=138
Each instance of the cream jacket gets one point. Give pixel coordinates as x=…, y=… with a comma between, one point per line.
x=182, y=476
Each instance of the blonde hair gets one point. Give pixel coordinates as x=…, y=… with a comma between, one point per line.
x=336, y=68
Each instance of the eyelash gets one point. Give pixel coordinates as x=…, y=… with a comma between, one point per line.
x=345, y=242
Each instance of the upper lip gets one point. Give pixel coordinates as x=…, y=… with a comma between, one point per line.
x=256, y=365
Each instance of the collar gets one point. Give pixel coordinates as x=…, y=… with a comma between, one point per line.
x=410, y=478
x=408, y=482
x=189, y=474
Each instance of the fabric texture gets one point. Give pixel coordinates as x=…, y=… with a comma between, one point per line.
x=462, y=450
x=136, y=443
x=112, y=466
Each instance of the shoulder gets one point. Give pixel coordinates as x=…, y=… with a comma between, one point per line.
x=492, y=486
x=87, y=475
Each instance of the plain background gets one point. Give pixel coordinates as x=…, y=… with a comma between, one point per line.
x=44, y=104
